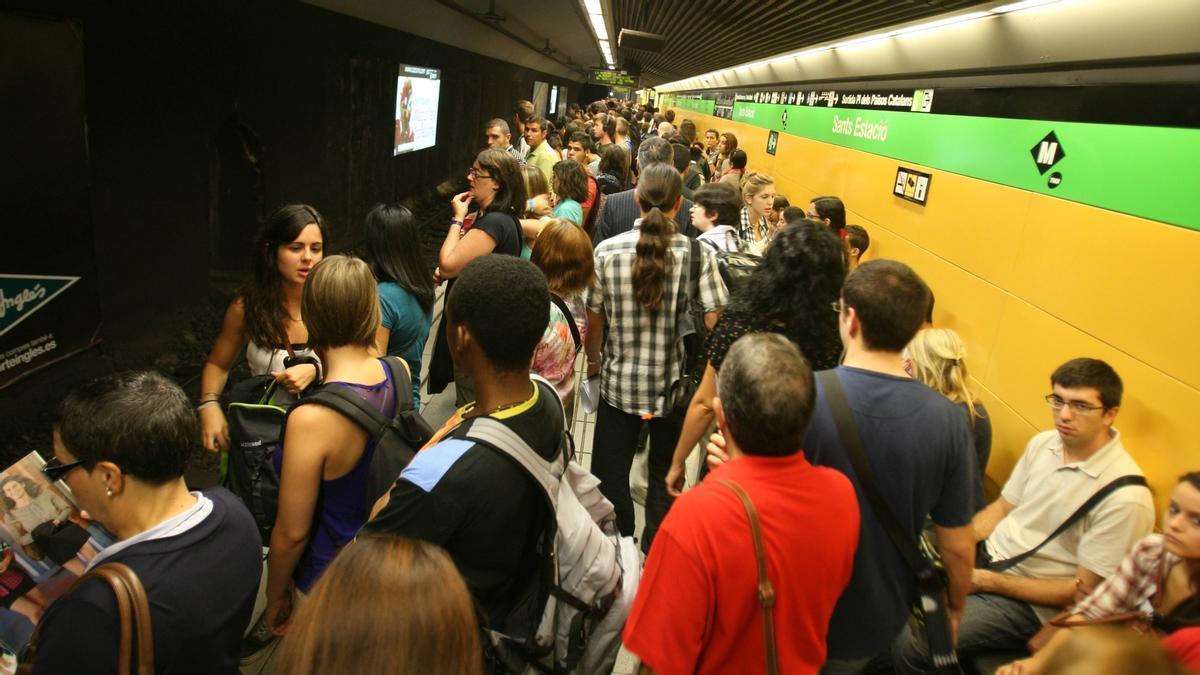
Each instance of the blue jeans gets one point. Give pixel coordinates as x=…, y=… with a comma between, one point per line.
x=989, y=623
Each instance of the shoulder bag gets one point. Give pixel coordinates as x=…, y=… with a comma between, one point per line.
x=1139, y=622
x=133, y=609
x=1099, y=496
x=562, y=305
x=930, y=610
x=766, y=591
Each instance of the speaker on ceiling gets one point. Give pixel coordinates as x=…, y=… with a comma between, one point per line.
x=636, y=39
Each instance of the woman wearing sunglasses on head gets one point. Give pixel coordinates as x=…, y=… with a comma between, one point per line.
x=121, y=443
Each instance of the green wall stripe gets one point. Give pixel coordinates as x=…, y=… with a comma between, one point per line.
x=696, y=105
x=1151, y=172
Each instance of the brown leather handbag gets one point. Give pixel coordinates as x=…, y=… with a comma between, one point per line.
x=134, y=610
x=766, y=592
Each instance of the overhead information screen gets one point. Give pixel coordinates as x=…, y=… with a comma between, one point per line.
x=417, y=92
x=612, y=78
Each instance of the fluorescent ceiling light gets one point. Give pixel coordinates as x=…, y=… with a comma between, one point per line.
x=810, y=52
x=599, y=26
x=593, y=6
x=1018, y=6
x=940, y=23
x=860, y=41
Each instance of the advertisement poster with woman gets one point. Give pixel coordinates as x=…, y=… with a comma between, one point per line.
x=417, y=92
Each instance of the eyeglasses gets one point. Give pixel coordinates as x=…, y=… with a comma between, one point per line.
x=837, y=307
x=475, y=173
x=1078, y=407
x=54, y=470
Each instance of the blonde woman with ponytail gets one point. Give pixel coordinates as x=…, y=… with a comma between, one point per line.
x=758, y=198
x=937, y=357
x=635, y=293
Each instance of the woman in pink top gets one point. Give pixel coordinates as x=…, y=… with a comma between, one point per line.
x=564, y=254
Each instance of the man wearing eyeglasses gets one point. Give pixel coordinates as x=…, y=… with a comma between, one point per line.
x=1060, y=470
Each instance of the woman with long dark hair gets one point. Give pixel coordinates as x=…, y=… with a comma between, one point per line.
x=725, y=146
x=265, y=318
x=1159, y=578
x=387, y=604
x=790, y=293
x=614, y=170
x=639, y=279
x=393, y=250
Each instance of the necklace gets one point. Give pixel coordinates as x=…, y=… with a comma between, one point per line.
x=471, y=413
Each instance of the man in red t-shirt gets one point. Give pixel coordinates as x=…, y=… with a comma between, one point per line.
x=697, y=608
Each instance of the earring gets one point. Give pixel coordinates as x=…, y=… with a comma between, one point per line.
x=108, y=491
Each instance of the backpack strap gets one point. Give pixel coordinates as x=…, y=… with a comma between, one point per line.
x=497, y=435
x=694, y=270
x=562, y=305
x=362, y=413
x=904, y=542
x=1099, y=496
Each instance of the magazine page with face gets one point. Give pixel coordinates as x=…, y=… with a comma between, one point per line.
x=45, y=544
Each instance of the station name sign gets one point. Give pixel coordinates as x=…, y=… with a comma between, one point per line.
x=612, y=78
x=912, y=100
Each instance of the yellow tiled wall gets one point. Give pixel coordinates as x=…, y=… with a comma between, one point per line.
x=1029, y=281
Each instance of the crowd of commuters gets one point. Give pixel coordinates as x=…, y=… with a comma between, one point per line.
x=829, y=411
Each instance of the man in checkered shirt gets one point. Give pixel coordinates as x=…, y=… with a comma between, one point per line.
x=642, y=355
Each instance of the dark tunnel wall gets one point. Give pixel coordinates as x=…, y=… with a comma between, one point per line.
x=201, y=117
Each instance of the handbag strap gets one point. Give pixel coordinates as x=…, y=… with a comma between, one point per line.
x=133, y=609
x=904, y=542
x=1112, y=486
x=766, y=591
x=562, y=305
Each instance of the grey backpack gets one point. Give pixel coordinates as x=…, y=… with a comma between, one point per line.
x=595, y=571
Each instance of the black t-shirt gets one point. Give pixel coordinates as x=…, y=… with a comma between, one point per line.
x=504, y=229
x=201, y=585
x=483, y=508
x=981, y=432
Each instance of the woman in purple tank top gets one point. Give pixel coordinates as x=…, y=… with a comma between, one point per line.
x=325, y=456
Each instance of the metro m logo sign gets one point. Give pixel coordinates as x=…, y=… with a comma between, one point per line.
x=1047, y=153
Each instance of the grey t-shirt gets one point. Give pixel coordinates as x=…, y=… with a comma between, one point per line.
x=921, y=452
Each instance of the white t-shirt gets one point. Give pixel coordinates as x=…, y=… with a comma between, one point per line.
x=724, y=237
x=1046, y=492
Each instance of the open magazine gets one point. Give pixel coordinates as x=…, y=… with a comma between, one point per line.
x=45, y=545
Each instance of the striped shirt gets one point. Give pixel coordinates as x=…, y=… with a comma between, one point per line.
x=642, y=356
x=516, y=154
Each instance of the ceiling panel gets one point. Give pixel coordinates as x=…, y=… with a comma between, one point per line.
x=707, y=35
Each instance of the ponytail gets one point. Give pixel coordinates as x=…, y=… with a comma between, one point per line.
x=658, y=190
x=653, y=259
x=938, y=360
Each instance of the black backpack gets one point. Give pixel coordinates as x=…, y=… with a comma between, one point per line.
x=736, y=267
x=397, y=440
